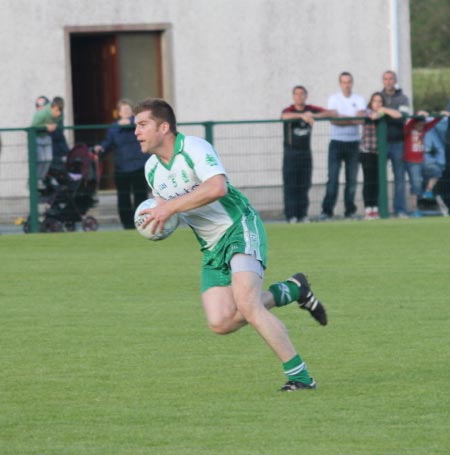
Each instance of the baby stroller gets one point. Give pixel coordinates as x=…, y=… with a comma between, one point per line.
x=70, y=191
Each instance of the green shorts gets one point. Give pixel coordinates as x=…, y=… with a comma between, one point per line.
x=246, y=236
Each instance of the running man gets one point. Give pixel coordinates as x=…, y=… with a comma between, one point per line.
x=186, y=175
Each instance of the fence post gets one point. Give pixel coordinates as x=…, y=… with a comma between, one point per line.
x=382, y=168
x=209, y=133
x=32, y=180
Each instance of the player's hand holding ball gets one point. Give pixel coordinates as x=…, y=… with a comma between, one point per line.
x=151, y=230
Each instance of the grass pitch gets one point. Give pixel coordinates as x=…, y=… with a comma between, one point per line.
x=105, y=350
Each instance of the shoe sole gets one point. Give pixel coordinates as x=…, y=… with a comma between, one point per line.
x=300, y=386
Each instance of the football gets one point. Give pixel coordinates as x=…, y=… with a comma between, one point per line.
x=169, y=226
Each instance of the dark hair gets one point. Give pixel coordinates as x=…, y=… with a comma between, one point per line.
x=373, y=96
x=345, y=73
x=300, y=87
x=58, y=102
x=160, y=111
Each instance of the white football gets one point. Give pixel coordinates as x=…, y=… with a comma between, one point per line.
x=169, y=226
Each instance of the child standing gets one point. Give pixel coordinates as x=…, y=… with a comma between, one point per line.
x=368, y=153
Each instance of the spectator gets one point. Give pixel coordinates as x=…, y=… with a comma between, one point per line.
x=59, y=143
x=395, y=99
x=414, y=130
x=297, y=156
x=45, y=118
x=434, y=162
x=344, y=147
x=41, y=102
x=368, y=154
x=443, y=186
x=129, y=164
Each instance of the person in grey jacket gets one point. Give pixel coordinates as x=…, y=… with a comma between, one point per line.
x=394, y=98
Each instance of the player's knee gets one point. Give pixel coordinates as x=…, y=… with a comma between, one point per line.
x=224, y=324
x=221, y=328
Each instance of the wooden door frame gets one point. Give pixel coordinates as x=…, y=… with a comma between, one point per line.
x=165, y=30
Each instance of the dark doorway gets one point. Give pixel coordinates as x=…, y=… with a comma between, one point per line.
x=105, y=68
x=94, y=79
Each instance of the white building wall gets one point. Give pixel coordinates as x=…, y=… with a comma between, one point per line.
x=225, y=59
x=231, y=59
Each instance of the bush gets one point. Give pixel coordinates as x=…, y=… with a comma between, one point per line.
x=431, y=88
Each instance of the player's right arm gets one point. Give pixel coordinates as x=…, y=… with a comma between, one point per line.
x=208, y=191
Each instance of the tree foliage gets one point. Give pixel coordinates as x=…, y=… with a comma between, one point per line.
x=430, y=33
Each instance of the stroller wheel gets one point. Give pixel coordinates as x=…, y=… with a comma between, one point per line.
x=89, y=224
x=52, y=225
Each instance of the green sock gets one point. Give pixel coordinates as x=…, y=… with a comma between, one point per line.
x=295, y=370
x=284, y=292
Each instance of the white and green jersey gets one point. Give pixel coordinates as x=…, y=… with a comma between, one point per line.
x=195, y=161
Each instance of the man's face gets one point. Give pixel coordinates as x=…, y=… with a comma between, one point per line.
x=346, y=83
x=389, y=81
x=299, y=96
x=148, y=132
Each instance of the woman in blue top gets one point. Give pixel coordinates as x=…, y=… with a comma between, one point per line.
x=129, y=164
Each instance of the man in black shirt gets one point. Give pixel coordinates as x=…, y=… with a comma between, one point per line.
x=297, y=158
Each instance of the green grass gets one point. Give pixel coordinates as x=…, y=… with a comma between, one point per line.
x=105, y=350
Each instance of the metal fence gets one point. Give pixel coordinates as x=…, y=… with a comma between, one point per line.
x=251, y=151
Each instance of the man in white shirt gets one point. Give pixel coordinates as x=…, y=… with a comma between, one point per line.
x=344, y=146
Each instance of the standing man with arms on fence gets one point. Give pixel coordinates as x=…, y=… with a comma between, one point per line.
x=344, y=147
x=187, y=177
x=395, y=99
x=297, y=155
